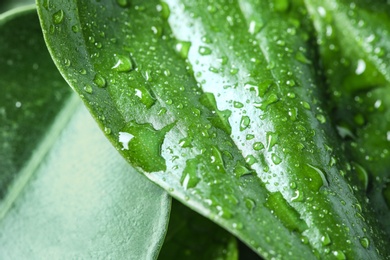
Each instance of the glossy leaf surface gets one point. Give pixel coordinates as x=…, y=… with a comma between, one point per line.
x=72, y=196
x=220, y=104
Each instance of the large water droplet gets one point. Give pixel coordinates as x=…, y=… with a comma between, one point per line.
x=122, y=63
x=325, y=239
x=145, y=96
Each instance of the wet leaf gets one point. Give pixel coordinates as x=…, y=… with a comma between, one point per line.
x=223, y=107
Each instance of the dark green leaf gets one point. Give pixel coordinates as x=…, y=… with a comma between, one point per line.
x=219, y=103
x=191, y=236
x=71, y=195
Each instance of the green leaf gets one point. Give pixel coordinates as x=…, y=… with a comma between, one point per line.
x=220, y=104
x=191, y=236
x=353, y=39
x=71, y=195
x=6, y=5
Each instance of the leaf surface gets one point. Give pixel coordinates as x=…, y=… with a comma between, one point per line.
x=220, y=104
x=71, y=195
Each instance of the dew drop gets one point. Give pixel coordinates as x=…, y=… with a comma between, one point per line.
x=122, y=3
x=365, y=242
x=58, y=17
x=258, y=146
x=245, y=122
x=237, y=104
x=276, y=159
x=321, y=118
x=325, y=239
x=361, y=67
x=250, y=159
x=203, y=50
x=100, y=81
x=249, y=203
x=339, y=255
x=88, y=89
x=183, y=48
x=122, y=63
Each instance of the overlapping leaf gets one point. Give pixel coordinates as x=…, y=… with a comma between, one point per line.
x=66, y=193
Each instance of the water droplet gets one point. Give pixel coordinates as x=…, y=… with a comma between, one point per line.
x=299, y=56
x=183, y=48
x=318, y=177
x=365, y=242
x=339, y=255
x=321, y=118
x=280, y=5
x=122, y=63
x=361, y=174
x=99, y=80
x=186, y=142
x=190, y=177
x=298, y=196
x=122, y=3
x=276, y=159
x=325, y=239
x=271, y=99
x=237, y=104
x=272, y=140
x=203, y=50
x=88, y=89
x=250, y=159
x=163, y=8
x=216, y=159
x=249, y=203
x=107, y=130
x=241, y=170
x=58, y=17
x=75, y=29
x=258, y=146
x=361, y=67
x=255, y=27
x=245, y=122
x=145, y=96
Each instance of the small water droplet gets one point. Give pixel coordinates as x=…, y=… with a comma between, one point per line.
x=325, y=239
x=276, y=159
x=249, y=203
x=339, y=255
x=122, y=3
x=183, y=48
x=203, y=50
x=272, y=140
x=58, y=17
x=255, y=27
x=100, y=81
x=250, y=159
x=88, y=89
x=241, y=170
x=245, y=122
x=258, y=146
x=361, y=67
x=237, y=104
x=365, y=242
x=75, y=29
x=298, y=196
x=321, y=118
